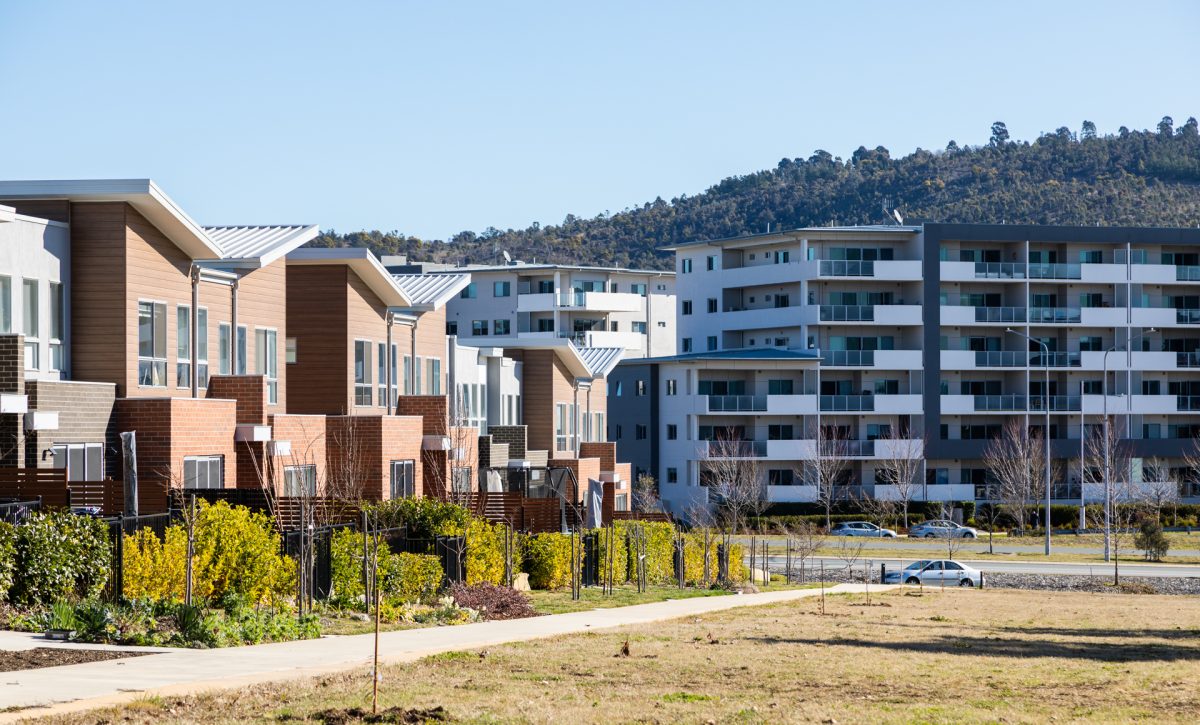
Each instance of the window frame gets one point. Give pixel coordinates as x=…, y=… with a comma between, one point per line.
x=364, y=387
x=267, y=365
x=155, y=364
x=208, y=461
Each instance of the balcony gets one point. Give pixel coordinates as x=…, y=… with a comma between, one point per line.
x=737, y=403
x=601, y=301
x=848, y=358
x=1054, y=315
x=1000, y=314
x=1000, y=270
x=1187, y=317
x=1187, y=274
x=883, y=269
x=880, y=359
x=1187, y=403
x=840, y=268
x=1001, y=359
x=989, y=403
x=758, y=318
x=847, y=403
x=1187, y=359
x=1054, y=360
x=536, y=302
x=1057, y=403
x=847, y=313
x=1054, y=271
x=736, y=449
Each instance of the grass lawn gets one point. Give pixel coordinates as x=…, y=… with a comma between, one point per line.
x=592, y=598
x=953, y=656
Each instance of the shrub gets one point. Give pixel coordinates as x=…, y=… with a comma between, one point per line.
x=424, y=517
x=694, y=556
x=60, y=556
x=409, y=577
x=485, y=552
x=548, y=560
x=1150, y=538
x=155, y=568
x=660, y=551
x=620, y=564
x=8, y=558
x=493, y=602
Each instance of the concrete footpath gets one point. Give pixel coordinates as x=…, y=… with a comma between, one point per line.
x=179, y=672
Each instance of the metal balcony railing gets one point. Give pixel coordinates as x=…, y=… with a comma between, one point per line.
x=999, y=270
x=1188, y=402
x=845, y=268
x=860, y=358
x=1187, y=359
x=1000, y=314
x=1000, y=359
x=1187, y=274
x=736, y=449
x=1058, y=403
x=859, y=448
x=1054, y=315
x=1187, y=317
x=847, y=403
x=736, y=403
x=1054, y=360
x=847, y=313
x=1054, y=271
x=999, y=402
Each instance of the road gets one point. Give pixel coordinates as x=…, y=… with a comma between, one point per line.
x=1131, y=568
x=980, y=546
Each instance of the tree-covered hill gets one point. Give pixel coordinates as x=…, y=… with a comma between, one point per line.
x=1147, y=178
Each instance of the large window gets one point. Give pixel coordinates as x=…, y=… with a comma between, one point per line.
x=202, y=347
x=468, y=292
x=203, y=472
x=564, y=427
x=300, y=480
x=183, y=347
x=479, y=327
x=152, y=344
x=435, y=376
x=408, y=361
x=241, y=350
x=57, y=326
x=5, y=304
x=381, y=350
x=267, y=361
x=403, y=479
x=501, y=289
x=501, y=327
x=362, y=372
x=224, y=348
x=30, y=300
x=83, y=461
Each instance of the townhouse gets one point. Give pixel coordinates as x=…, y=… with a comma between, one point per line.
x=917, y=342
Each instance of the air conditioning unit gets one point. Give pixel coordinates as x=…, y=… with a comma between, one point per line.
x=252, y=433
x=279, y=448
x=14, y=404
x=41, y=420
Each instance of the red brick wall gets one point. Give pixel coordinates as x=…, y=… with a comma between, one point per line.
x=250, y=392
x=306, y=433
x=432, y=408
x=363, y=446
x=584, y=469
x=606, y=452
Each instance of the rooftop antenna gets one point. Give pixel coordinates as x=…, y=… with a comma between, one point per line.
x=896, y=215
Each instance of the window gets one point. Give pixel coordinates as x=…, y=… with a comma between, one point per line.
x=417, y=376
x=1093, y=343
x=638, y=327
x=300, y=480
x=599, y=428
x=672, y=386
x=460, y=479
x=152, y=344
x=614, y=388
x=638, y=289
x=434, y=381
x=267, y=361
x=564, y=427
x=5, y=304
x=780, y=477
x=640, y=432
x=183, y=347
x=289, y=350
x=781, y=387
x=383, y=360
x=403, y=480
x=57, y=326
x=362, y=372
x=479, y=328
x=612, y=287
x=617, y=433
x=202, y=347
x=407, y=376
x=687, y=307
x=31, y=327
x=686, y=266
x=640, y=388
x=545, y=325
x=712, y=305
x=203, y=472
x=500, y=327
x=241, y=350
x=712, y=342
x=1093, y=387
x=672, y=432
x=468, y=292
x=223, y=348
x=710, y=262
x=452, y=328
x=780, y=432
x=83, y=461
x=501, y=289
x=672, y=475
x=614, y=326
x=685, y=344
x=782, y=257
x=545, y=286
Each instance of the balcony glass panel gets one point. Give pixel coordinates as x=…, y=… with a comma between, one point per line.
x=999, y=314
x=838, y=268
x=847, y=313
x=1054, y=271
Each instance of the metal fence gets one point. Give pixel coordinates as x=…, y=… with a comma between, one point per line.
x=16, y=512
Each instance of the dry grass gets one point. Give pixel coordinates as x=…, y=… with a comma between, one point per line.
x=958, y=656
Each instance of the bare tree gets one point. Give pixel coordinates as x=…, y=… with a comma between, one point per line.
x=990, y=514
x=901, y=465
x=878, y=510
x=736, y=484
x=828, y=468
x=805, y=539
x=1109, y=457
x=849, y=549
x=1016, y=461
x=700, y=517
x=1158, y=489
x=645, y=494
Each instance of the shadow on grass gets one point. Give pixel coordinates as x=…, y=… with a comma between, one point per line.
x=1186, y=633
x=1010, y=647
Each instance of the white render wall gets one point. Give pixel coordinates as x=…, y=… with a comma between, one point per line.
x=37, y=249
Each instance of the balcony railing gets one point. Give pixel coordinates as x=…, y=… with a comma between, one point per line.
x=846, y=268
x=1000, y=314
x=847, y=448
x=1187, y=359
x=1058, y=403
x=1000, y=359
x=736, y=449
x=999, y=270
x=1054, y=271
x=1054, y=315
x=1188, y=402
x=736, y=403
x=1054, y=360
x=1187, y=317
x=848, y=358
x=1187, y=274
x=847, y=403
x=999, y=402
x=847, y=313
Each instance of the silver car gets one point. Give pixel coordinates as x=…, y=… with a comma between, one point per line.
x=861, y=528
x=941, y=529
x=936, y=572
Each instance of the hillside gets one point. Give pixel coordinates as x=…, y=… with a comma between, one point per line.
x=1149, y=178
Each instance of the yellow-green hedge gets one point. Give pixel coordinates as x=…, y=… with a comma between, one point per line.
x=407, y=577
x=485, y=552
x=548, y=560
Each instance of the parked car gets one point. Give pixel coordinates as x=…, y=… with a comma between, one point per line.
x=941, y=529
x=936, y=572
x=861, y=528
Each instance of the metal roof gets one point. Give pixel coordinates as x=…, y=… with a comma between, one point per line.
x=362, y=263
x=529, y=267
x=264, y=243
x=600, y=361
x=764, y=353
x=862, y=229
x=430, y=291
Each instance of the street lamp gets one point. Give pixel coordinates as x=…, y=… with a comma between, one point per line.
x=1107, y=457
x=1046, y=359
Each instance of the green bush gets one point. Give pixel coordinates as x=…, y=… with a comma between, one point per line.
x=155, y=568
x=485, y=553
x=620, y=564
x=407, y=577
x=424, y=517
x=59, y=555
x=695, y=554
x=548, y=560
x=8, y=558
x=1150, y=539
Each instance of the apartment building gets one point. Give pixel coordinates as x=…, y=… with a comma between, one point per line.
x=895, y=339
x=598, y=307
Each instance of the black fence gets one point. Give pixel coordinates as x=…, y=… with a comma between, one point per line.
x=16, y=512
x=118, y=528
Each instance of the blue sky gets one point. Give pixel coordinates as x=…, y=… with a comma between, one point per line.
x=431, y=118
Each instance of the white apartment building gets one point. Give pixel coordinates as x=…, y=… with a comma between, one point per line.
x=896, y=338
x=35, y=271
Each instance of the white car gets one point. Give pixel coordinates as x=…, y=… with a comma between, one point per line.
x=861, y=528
x=941, y=529
x=936, y=572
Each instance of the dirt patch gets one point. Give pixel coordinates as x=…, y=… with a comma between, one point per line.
x=32, y=659
x=390, y=715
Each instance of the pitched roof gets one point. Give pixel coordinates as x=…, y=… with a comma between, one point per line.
x=600, y=361
x=430, y=291
x=263, y=243
x=362, y=262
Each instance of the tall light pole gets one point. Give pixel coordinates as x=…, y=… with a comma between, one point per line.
x=1046, y=360
x=1107, y=457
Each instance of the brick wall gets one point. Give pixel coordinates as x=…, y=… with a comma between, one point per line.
x=249, y=391
x=514, y=435
x=12, y=380
x=85, y=414
x=432, y=408
x=584, y=469
x=606, y=452
x=360, y=449
x=306, y=433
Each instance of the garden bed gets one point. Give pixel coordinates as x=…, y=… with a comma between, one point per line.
x=32, y=659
